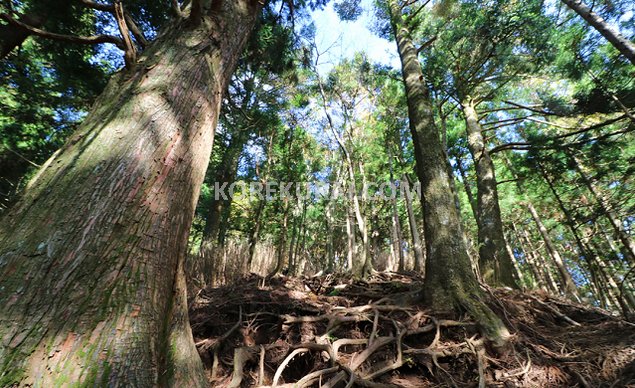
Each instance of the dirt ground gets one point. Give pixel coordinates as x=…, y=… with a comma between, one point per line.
x=333, y=331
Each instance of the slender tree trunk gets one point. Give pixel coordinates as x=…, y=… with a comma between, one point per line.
x=366, y=267
x=449, y=278
x=622, y=44
x=545, y=279
x=585, y=251
x=567, y=281
x=414, y=229
x=494, y=262
x=350, y=234
x=254, y=234
x=92, y=256
x=518, y=275
x=295, y=252
x=334, y=192
x=282, y=240
x=398, y=236
x=530, y=261
x=467, y=186
x=330, y=230
x=616, y=223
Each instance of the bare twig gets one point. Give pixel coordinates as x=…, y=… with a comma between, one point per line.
x=96, y=39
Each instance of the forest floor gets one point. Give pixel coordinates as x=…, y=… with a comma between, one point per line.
x=333, y=331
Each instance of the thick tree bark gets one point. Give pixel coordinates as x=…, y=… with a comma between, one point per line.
x=449, y=279
x=91, y=258
x=622, y=44
x=495, y=264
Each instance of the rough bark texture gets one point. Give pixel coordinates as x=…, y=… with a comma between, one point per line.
x=623, y=45
x=495, y=264
x=449, y=279
x=93, y=289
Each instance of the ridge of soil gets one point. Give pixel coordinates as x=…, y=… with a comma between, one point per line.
x=334, y=331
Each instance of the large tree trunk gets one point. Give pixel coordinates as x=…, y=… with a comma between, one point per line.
x=449, y=279
x=93, y=289
x=495, y=264
x=622, y=44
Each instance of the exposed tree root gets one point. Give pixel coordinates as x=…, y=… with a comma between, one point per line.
x=291, y=336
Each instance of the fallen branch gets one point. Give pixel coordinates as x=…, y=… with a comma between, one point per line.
x=554, y=310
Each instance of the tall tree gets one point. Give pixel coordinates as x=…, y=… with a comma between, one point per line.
x=449, y=278
x=625, y=46
x=112, y=209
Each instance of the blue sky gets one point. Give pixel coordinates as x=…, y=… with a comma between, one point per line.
x=347, y=38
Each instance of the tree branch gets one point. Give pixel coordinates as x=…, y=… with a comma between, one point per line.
x=530, y=108
x=99, y=6
x=176, y=8
x=426, y=44
x=136, y=31
x=97, y=39
x=196, y=12
x=131, y=52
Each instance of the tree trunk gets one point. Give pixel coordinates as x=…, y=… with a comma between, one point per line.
x=254, y=233
x=617, y=224
x=282, y=240
x=518, y=275
x=215, y=224
x=92, y=256
x=585, y=251
x=330, y=222
x=467, y=186
x=350, y=234
x=622, y=44
x=495, y=264
x=414, y=229
x=530, y=260
x=449, y=279
x=567, y=281
x=396, y=224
